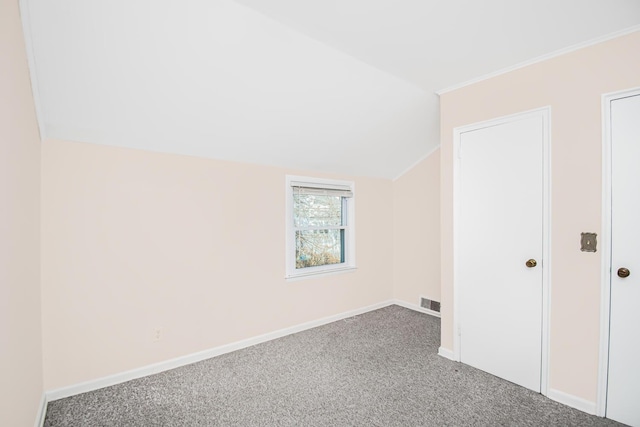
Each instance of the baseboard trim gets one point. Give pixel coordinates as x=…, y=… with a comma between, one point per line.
x=156, y=368
x=570, y=400
x=416, y=307
x=42, y=411
x=446, y=353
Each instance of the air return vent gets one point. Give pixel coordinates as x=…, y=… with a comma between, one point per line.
x=430, y=304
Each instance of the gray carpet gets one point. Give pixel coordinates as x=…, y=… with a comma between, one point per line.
x=377, y=369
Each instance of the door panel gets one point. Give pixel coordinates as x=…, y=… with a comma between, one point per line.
x=500, y=227
x=623, y=394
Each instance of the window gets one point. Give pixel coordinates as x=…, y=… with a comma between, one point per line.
x=320, y=229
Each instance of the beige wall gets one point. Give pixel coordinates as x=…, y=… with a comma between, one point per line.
x=20, y=328
x=416, y=232
x=572, y=85
x=135, y=240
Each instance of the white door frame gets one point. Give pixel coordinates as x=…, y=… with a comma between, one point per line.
x=545, y=114
x=605, y=286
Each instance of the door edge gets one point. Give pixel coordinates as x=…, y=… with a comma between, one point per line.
x=605, y=232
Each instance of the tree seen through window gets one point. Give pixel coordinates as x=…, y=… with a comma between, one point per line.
x=319, y=222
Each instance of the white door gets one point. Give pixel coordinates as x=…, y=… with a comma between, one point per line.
x=623, y=392
x=499, y=229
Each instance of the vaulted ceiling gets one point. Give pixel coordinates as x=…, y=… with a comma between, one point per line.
x=345, y=86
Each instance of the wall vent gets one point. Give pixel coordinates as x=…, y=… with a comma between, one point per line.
x=430, y=304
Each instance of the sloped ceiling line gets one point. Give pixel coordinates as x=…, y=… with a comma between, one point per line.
x=542, y=58
x=33, y=74
x=338, y=86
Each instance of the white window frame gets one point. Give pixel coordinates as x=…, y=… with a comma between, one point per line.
x=350, y=236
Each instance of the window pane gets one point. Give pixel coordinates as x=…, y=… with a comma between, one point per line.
x=319, y=247
x=316, y=211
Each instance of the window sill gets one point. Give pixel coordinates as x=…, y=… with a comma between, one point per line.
x=309, y=275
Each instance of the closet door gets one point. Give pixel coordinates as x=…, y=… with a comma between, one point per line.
x=500, y=245
x=623, y=393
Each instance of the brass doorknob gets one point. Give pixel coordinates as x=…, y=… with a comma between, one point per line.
x=623, y=272
x=531, y=263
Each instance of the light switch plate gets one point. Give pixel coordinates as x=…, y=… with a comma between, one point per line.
x=588, y=242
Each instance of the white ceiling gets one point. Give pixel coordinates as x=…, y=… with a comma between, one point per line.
x=436, y=44
x=343, y=86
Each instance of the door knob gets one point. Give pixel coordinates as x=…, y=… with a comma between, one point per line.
x=623, y=272
x=531, y=263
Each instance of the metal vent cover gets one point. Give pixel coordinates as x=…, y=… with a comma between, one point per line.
x=430, y=304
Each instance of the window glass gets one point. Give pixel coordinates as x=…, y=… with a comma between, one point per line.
x=316, y=211
x=319, y=247
x=316, y=245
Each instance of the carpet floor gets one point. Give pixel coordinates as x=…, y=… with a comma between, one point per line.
x=377, y=369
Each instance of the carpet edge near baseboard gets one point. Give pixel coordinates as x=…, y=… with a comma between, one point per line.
x=416, y=307
x=42, y=410
x=91, y=385
x=575, y=402
x=447, y=354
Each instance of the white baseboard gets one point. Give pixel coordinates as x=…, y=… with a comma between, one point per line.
x=570, y=400
x=42, y=411
x=144, y=371
x=416, y=307
x=446, y=353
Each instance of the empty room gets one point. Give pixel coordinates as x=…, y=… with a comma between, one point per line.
x=319, y=213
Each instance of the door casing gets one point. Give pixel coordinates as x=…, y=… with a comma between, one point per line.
x=545, y=114
x=605, y=287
